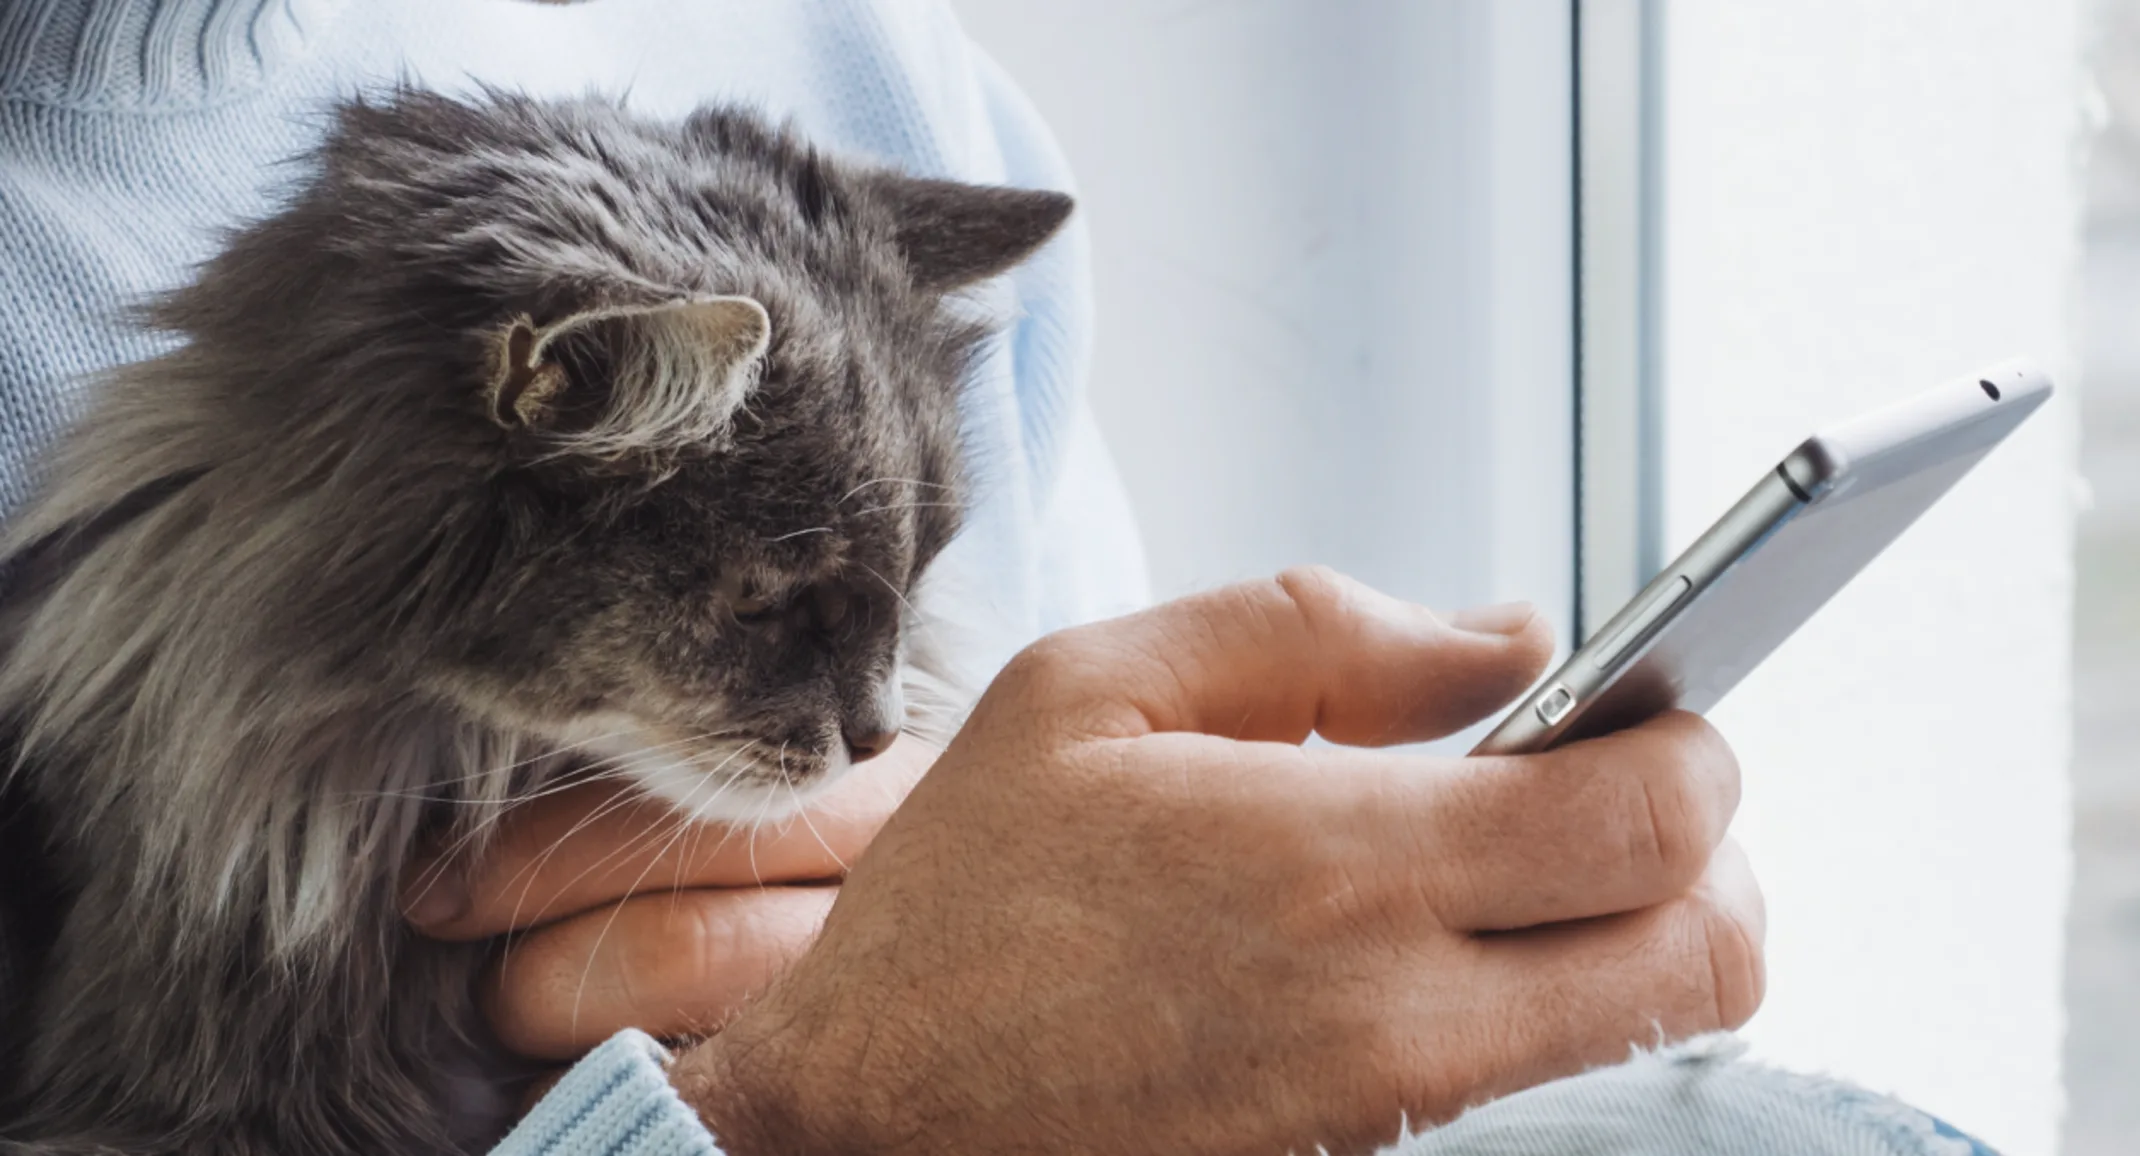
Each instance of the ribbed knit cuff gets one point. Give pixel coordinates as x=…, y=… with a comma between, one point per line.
x=615, y=1102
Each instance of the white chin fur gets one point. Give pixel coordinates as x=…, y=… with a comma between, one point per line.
x=706, y=789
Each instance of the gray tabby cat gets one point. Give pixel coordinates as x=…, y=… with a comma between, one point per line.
x=530, y=437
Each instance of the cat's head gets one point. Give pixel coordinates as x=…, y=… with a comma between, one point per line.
x=632, y=435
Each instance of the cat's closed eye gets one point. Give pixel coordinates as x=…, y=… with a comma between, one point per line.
x=822, y=608
x=752, y=602
x=829, y=605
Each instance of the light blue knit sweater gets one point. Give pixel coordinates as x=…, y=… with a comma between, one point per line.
x=131, y=131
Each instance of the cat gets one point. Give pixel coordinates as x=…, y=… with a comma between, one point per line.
x=530, y=438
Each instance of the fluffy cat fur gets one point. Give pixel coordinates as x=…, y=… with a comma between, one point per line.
x=529, y=438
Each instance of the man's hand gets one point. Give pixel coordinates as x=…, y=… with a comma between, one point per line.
x=1126, y=911
x=641, y=921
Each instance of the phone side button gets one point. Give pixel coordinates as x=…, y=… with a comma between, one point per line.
x=1555, y=705
x=1660, y=604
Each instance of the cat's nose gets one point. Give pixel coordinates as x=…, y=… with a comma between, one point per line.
x=870, y=732
x=869, y=742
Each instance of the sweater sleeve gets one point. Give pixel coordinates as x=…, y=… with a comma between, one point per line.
x=617, y=1101
x=1092, y=562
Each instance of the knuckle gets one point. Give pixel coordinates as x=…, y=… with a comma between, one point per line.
x=694, y=943
x=1312, y=602
x=1666, y=833
x=1060, y=670
x=1737, y=973
x=1705, y=760
x=1043, y=660
x=1313, y=589
x=1671, y=827
x=1706, y=757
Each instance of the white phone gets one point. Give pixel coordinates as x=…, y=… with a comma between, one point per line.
x=1778, y=556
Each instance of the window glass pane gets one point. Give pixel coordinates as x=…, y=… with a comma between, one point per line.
x=2103, y=935
x=1334, y=277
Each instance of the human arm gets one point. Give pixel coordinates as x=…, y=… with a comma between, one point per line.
x=1155, y=922
x=1144, y=934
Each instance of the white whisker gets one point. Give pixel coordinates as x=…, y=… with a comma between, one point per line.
x=896, y=593
x=579, y=994
x=532, y=870
x=758, y=824
x=546, y=752
x=599, y=773
x=639, y=799
x=910, y=506
x=888, y=481
x=802, y=812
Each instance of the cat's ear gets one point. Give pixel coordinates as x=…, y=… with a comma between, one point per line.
x=616, y=379
x=956, y=234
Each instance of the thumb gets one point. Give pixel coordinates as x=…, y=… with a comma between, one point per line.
x=1315, y=651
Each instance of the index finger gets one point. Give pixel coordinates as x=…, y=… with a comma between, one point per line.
x=584, y=846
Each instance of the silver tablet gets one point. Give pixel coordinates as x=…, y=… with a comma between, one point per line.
x=1744, y=586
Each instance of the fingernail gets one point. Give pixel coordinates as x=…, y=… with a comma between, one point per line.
x=439, y=900
x=1506, y=619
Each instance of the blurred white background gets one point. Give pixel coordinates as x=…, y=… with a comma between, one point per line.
x=1333, y=266
x=1333, y=261
x=1865, y=197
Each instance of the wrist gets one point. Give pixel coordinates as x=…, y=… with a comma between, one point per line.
x=770, y=1084
x=738, y=1096
x=802, y=1074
